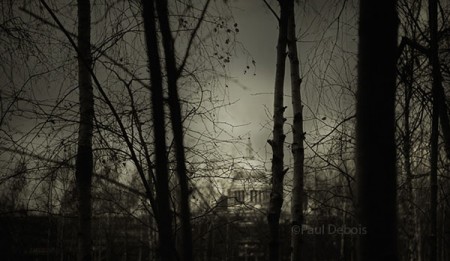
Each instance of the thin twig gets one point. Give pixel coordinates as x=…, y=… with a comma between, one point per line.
x=271, y=10
x=191, y=39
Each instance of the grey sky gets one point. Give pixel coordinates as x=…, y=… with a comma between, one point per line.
x=326, y=50
x=322, y=38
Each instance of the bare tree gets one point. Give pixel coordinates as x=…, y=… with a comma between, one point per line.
x=298, y=149
x=278, y=137
x=164, y=215
x=408, y=204
x=434, y=138
x=375, y=129
x=173, y=74
x=84, y=160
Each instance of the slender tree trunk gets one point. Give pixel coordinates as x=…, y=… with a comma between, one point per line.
x=443, y=114
x=277, y=142
x=166, y=239
x=418, y=236
x=409, y=217
x=375, y=129
x=298, y=150
x=177, y=127
x=439, y=116
x=210, y=243
x=433, y=181
x=434, y=130
x=437, y=100
x=84, y=161
x=410, y=197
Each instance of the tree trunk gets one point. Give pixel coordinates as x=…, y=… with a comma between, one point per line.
x=409, y=216
x=177, y=127
x=410, y=212
x=436, y=74
x=277, y=142
x=443, y=114
x=298, y=150
x=84, y=161
x=433, y=180
x=375, y=129
x=166, y=239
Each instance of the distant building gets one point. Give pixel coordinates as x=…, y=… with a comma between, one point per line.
x=229, y=206
x=236, y=194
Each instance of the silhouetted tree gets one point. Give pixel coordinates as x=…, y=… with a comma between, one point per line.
x=173, y=74
x=375, y=129
x=164, y=215
x=278, y=137
x=297, y=148
x=84, y=160
x=437, y=99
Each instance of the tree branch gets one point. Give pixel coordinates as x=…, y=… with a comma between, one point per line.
x=66, y=163
x=110, y=105
x=271, y=10
x=191, y=39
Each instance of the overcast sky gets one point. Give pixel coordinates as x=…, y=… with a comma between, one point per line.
x=326, y=48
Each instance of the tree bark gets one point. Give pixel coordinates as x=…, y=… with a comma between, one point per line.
x=84, y=158
x=375, y=129
x=177, y=127
x=298, y=150
x=165, y=232
x=277, y=142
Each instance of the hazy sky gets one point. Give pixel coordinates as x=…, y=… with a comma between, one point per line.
x=325, y=45
x=326, y=49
